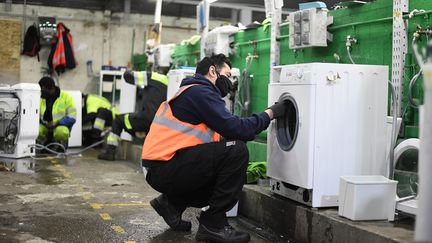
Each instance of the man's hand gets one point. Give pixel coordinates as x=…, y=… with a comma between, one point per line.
x=278, y=110
x=51, y=125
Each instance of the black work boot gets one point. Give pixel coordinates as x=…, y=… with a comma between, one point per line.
x=225, y=234
x=108, y=153
x=170, y=213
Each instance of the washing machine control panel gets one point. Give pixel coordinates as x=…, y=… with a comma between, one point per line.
x=301, y=74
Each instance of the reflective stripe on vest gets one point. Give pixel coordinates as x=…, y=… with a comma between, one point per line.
x=140, y=79
x=113, y=139
x=127, y=123
x=167, y=134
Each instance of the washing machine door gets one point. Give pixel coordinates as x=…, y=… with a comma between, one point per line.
x=288, y=125
x=406, y=167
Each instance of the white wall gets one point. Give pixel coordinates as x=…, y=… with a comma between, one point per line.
x=98, y=37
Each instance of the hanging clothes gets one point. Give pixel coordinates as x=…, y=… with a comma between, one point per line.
x=31, y=45
x=62, y=56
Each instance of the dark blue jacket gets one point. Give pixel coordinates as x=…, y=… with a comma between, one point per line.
x=204, y=104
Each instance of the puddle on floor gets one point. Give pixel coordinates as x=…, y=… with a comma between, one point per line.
x=38, y=169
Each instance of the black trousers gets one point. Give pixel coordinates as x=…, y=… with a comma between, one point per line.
x=140, y=122
x=208, y=174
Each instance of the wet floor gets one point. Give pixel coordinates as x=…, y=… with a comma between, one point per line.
x=82, y=199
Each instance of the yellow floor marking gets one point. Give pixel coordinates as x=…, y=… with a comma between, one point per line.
x=54, y=161
x=105, y=216
x=130, y=241
x=100, y=205
x=118, y=229
x=86, y=197
x=66, y=175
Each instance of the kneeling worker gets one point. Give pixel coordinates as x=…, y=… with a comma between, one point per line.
x=152, y=87
x=97, y=113
x=195, y=154
x=57, y=113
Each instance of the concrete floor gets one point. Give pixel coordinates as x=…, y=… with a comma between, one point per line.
x=82, y=199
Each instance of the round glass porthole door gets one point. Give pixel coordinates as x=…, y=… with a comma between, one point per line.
x=406, y=168
x=287, y=126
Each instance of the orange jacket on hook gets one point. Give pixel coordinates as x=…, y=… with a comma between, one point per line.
x=62, y=55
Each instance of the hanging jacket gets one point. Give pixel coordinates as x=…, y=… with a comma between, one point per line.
x=168, y=134
x=63, y=110
x=31, y=46
x=62, y=56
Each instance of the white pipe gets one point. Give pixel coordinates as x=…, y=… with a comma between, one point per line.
x=206, y=27
x=158, y=12
x=423, y=232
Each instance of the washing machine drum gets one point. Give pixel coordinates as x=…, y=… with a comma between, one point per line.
x=406, y=167
x=288, y=125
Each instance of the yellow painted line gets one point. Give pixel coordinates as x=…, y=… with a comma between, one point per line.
x=130, y=241
x=100, y=205
x=54, y=161
x=118, y=229
x=66, y=174
x=105, y=216
x=86, y=197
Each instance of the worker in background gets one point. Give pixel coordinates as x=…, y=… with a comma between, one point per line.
x=97, y=113
x=195, y=152
x=57, y=113
x=152, y=90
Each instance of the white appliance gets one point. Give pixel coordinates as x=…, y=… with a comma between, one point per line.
x=219, y=39
x=163, y=55
x=75, y=139
x=335, y=125
x=176, y=76
x=406, y=157
x=19, y=120
x=127, y=102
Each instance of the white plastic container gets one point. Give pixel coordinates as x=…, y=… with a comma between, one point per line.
x=367, y=197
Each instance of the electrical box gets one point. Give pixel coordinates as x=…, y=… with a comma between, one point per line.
x=308, y=28
x=47, y=30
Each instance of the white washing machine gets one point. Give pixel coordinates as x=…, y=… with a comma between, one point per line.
x=175, y=77
x=335, y=125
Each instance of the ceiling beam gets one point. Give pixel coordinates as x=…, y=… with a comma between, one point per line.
x=256, y=8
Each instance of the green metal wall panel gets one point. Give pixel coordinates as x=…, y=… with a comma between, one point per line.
x=371, y=24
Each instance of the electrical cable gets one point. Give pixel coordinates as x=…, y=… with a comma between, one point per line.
x=394, y=131
x=243, y=94
x=412, y=82
x=349, y=55
x=46, y=147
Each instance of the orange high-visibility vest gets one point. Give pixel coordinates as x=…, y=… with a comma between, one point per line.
x=168, y=134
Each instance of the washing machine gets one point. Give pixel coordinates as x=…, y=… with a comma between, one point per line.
x=334, y=125
x=175, y=77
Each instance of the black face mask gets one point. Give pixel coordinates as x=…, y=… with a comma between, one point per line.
x=224, y=84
